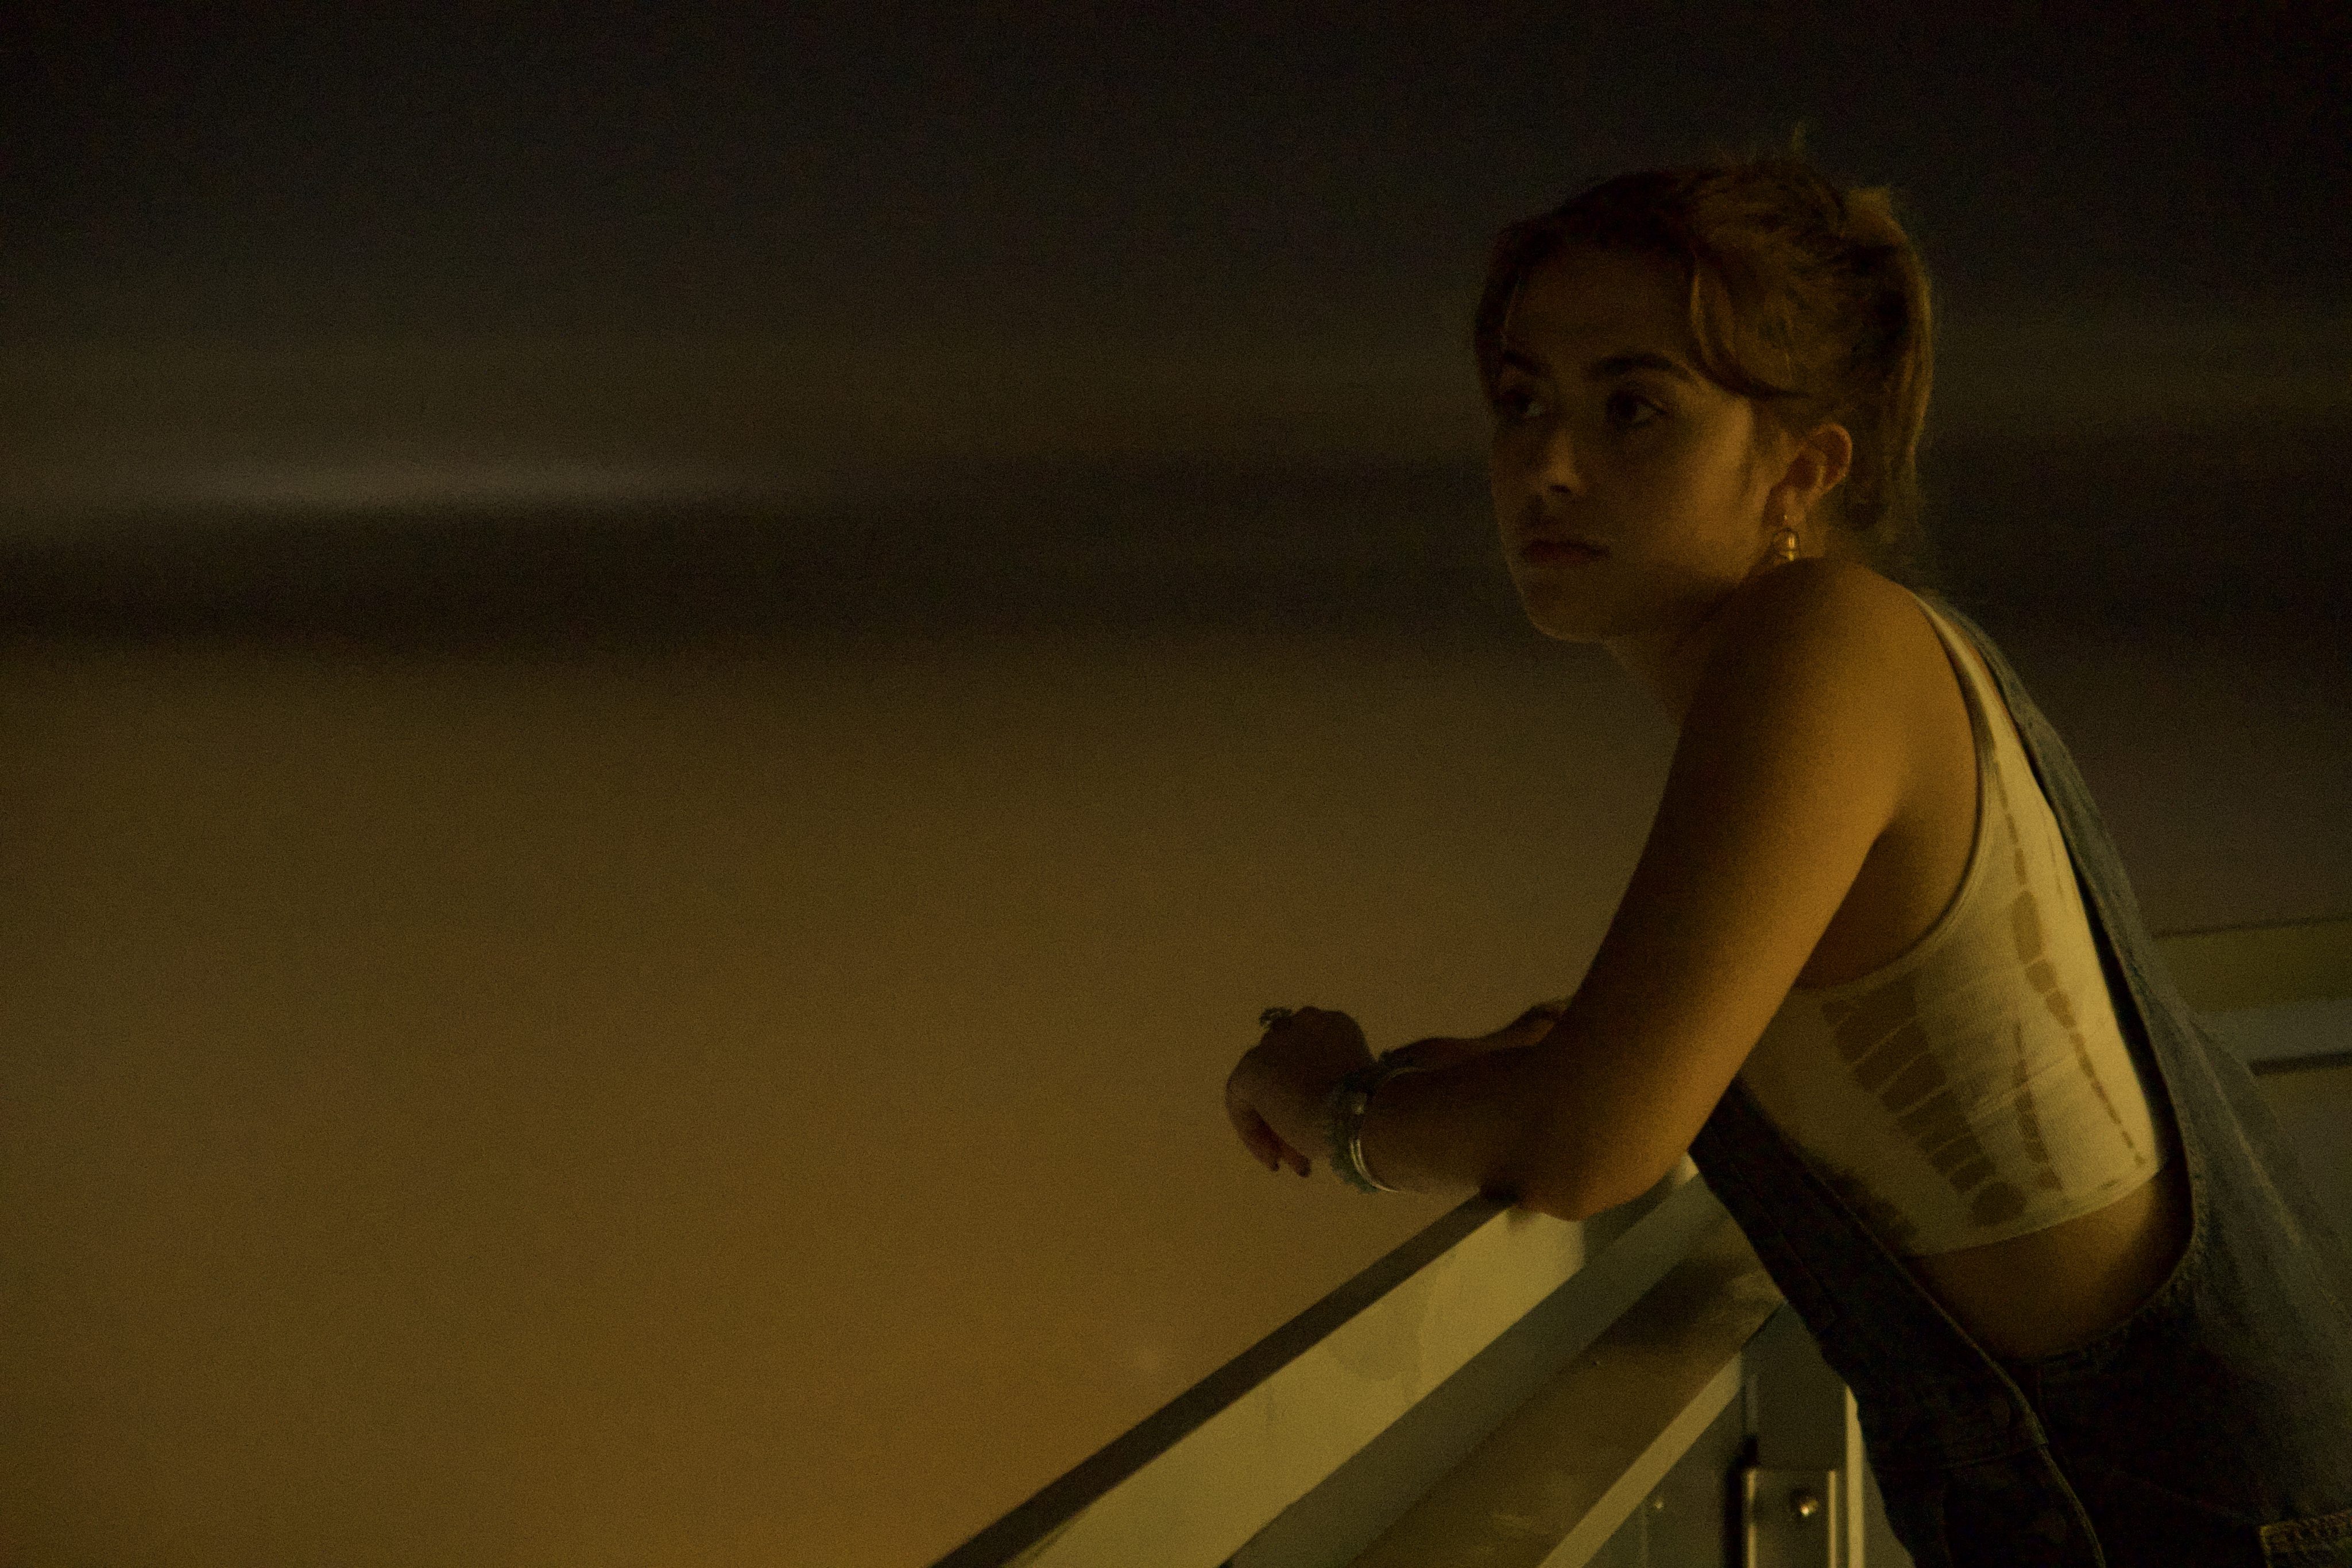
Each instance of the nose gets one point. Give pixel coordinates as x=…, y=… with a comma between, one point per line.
x=1555, y=460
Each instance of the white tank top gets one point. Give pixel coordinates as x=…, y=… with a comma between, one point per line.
x=1976, y=1088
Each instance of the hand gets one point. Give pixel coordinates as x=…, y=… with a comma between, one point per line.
x=1445, y=1049
x=1276, y=1093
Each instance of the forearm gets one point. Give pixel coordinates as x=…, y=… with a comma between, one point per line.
x=1464, y=1128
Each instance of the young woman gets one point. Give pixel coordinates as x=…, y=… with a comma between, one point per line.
x=1878, y=971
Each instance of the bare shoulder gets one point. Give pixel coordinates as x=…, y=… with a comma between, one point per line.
x=1827, y=606
x=1837, y=654
x=1831, y=638
x=1831, y=661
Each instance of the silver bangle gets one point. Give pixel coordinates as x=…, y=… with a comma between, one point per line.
x=1343, y=1122
x=1343, y=1112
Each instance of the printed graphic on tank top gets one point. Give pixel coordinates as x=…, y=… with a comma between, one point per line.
x=1977, y=1087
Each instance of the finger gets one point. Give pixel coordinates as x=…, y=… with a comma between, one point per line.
x=1284, y=1155
x=1263, y=1145
x=1539, y=1020
x=1260, y=1145
x=1248, y=1126
x=1434, y=1052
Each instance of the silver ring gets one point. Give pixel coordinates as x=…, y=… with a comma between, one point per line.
x=1273, y=1015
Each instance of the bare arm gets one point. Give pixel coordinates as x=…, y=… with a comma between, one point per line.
x=1791, y=762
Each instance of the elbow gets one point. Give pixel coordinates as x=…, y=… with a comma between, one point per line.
x=1577, y=1156
x=1564, y=1205
x=1579, y=1195
x=1562, y=1199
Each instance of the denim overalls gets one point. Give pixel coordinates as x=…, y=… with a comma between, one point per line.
x=2212, y=1426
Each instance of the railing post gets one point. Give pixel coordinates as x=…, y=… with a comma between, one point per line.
x=1803, y=1502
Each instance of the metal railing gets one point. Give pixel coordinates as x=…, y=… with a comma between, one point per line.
x=1517, y=1391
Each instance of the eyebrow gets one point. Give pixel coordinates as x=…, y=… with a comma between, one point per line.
x=1607, y=365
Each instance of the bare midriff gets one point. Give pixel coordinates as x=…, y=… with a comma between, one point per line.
x=2062, y=1287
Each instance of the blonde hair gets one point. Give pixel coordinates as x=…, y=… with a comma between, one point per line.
x=1806, y=297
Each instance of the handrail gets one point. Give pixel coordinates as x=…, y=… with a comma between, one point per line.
x=2232, y=968
x=1563, y=1474
x=1454, y=1386
x=1196, y=1480
x=2277, y=994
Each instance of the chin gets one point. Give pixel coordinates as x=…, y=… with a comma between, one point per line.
x=1558, y=616
x=1559, y=633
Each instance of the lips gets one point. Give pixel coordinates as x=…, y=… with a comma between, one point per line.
x=1542, y=549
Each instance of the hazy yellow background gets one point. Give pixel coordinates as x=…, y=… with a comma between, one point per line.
x=761, y=1105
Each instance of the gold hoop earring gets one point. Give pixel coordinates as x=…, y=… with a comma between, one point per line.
x=1784, y=545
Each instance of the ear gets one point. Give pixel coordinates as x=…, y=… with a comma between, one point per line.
x=1818, y=462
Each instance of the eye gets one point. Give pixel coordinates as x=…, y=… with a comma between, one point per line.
x=1513, y=404
x=1629, y=403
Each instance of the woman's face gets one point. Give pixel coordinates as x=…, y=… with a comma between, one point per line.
x=1607, y=434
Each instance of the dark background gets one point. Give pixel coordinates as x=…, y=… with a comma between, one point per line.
x=528, y=322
